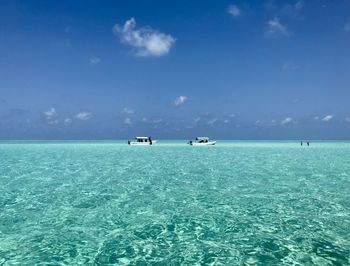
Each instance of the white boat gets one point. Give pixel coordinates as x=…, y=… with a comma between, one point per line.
x=202, y=141
x=143, y=141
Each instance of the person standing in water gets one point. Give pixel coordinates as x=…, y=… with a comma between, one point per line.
x=301, y=143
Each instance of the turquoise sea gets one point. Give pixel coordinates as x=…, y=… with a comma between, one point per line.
x=237, y=203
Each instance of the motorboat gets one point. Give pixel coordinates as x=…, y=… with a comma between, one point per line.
x=202, y=141
x=142, y=141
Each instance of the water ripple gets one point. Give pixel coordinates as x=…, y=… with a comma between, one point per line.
x=234, y=204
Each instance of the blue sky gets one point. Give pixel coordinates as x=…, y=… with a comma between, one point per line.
x=174, y=69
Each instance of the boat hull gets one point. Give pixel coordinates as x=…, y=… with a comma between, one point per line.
x=210, y=143
x=134, y=143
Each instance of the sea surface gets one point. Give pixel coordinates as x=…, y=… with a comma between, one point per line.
x=236, y=203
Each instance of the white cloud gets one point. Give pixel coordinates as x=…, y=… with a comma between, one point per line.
x=127, y=111
x=212, y=121
x=180, y=100
x=67, y=121
x=94, y=61
x=275, y=28
x=50, y=114
x=347, y=27
x=258, y=123
x=196, y=120
x=127, y=121
x=146, y=41
x=234, y=11
x=327, y=118
x=287, y=120
x=83, y=116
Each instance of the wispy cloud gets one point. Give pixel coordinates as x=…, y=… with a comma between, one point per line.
x=146, y=41
x=67, y=29
x=234, y=11
x=67, y=121
x=347, y=119
x=13, y=113
x=287, y=120
x=157, y=120
x=290, y=67
x=327, y=118
x=67, y=43
x=212, y=121
x=50, y=114
x=288, y=10
x=299, y=5
x=347, y=27
x=258, y=123
x=128, y=111
x=127, y=121
x=94, y=61
x=181, y=100
x=53, y=122
x=272, y=122
x=293, y=10
x=275, y=29
x=197, y=120
x=83, y=116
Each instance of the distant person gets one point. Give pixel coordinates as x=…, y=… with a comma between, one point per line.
x=150, y=140
x=308, y=143
x=301, y=143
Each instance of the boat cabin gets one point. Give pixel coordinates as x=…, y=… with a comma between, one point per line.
x=142, y=139
x=202, y=139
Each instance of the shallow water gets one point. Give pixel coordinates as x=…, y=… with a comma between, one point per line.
x=237, y=203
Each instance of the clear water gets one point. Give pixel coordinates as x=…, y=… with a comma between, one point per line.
x=238, y=203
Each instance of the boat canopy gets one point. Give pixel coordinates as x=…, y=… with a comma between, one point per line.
x=142, y=137
x=202, y=138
